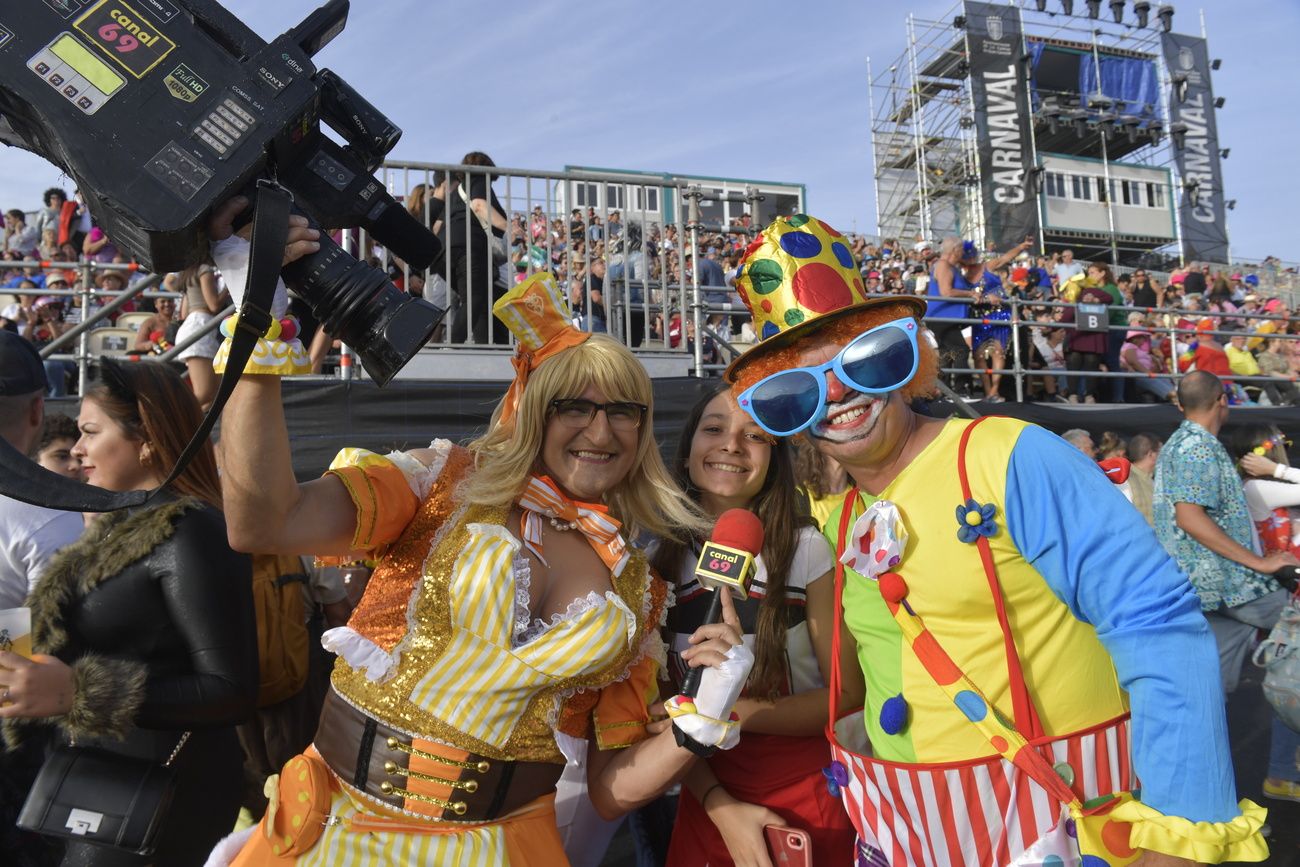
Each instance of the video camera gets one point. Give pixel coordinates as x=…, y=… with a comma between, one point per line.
x=163, y=109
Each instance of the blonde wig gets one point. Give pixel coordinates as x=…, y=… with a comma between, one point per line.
x=647, y=500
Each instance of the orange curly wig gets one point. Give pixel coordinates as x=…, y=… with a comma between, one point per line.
x=841, y=330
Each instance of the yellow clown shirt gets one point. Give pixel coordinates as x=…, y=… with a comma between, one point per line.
x=1100, y=614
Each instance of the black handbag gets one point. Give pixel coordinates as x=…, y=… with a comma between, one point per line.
x=95, y=796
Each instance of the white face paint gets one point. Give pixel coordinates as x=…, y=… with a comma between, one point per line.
x=852, y=418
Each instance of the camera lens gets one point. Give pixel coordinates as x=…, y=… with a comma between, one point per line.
x=358, y=304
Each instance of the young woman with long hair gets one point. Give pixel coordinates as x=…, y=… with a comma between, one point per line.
x=146, y=623
x=724, y=460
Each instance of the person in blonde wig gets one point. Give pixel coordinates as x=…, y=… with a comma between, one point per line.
x=506, y=627
x=647, y=498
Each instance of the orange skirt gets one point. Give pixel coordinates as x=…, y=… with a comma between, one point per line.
x=316, y=821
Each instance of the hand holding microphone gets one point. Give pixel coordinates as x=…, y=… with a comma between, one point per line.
x=702, y=717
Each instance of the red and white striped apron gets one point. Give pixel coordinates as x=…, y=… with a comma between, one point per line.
x=979, y=813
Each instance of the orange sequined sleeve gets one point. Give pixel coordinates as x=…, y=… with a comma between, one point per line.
x=623, y=709
x=386, y=491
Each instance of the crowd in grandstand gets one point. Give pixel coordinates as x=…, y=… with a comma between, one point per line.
x=623, y=275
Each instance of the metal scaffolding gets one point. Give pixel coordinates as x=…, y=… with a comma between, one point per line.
x=924, y=144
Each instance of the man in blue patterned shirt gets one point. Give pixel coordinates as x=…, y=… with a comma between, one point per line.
x=1201, y=518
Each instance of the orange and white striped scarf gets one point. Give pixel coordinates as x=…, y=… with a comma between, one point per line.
x=543, y=497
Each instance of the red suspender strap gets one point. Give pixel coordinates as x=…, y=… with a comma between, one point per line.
x=846, y=515
x=1026, y=716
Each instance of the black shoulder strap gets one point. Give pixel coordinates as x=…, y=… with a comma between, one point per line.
x=29, y=482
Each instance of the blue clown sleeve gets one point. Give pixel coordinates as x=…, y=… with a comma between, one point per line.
x=1103, y=561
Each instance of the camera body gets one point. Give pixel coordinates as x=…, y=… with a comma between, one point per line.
x=163, y=109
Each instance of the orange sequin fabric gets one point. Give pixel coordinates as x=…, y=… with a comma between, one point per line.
x=381, y=614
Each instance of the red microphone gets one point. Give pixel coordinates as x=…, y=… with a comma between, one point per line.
x=726, y=565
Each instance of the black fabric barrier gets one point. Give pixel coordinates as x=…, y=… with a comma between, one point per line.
x=408, y=414
x=325, y=417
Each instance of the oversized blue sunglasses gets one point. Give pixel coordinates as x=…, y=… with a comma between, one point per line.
x=876, y=361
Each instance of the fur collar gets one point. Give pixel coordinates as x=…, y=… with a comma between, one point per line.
x=108, y=546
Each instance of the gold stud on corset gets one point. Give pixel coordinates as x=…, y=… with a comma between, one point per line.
x=457, y=807
x=395, y=745
x=395, y=769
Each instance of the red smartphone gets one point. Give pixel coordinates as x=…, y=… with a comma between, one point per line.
x=789, y=847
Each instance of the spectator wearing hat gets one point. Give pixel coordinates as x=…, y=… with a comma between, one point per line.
x=29, y=537
x=14, y=316
x=1095, y=604
x=1137, y=355
x=85, y=310
x=45, y=324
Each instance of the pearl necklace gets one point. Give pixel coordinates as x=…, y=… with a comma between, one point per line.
x=562, y=526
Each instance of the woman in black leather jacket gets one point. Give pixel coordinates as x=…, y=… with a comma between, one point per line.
x=147, y=620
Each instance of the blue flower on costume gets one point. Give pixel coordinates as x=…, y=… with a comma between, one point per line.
x=974, y=520
x=837, y=776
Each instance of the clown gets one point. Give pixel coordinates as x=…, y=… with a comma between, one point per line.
x=1003, y=648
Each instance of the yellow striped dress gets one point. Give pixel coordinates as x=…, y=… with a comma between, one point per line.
x=441, y=647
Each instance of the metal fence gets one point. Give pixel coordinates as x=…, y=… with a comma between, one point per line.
x=618, y=244
x=634, y=269
x=1165, y=324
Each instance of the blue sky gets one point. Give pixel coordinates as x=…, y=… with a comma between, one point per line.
x=775, y=91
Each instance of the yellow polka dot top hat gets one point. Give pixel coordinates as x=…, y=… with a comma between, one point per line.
x=797, y=276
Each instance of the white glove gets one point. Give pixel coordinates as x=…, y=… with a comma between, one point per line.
x=231, y=258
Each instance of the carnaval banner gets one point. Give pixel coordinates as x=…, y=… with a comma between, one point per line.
x=1201, y=212
x=1002, y=122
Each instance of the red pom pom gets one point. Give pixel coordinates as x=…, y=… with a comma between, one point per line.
x=155, y=336
x=892, y=587
x=288, y=328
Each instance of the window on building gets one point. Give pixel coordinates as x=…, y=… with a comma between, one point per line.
x=645, y=199
x=1154, y=199
x=1082, y=187
x=614, y=198
x=1126, y=192
x=585, y=196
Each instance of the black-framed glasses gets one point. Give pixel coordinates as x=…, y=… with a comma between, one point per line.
x=578, y=412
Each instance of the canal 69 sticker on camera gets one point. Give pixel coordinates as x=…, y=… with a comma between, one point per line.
x=132, y=40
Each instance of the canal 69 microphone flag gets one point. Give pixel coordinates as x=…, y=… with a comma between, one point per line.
x=1000, y=88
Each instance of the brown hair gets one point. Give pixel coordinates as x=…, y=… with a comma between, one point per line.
x=151, y=403
x=776, y=507
x=811, y=470
x=841, y=330
x=56, y=427
x=1107, y=275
